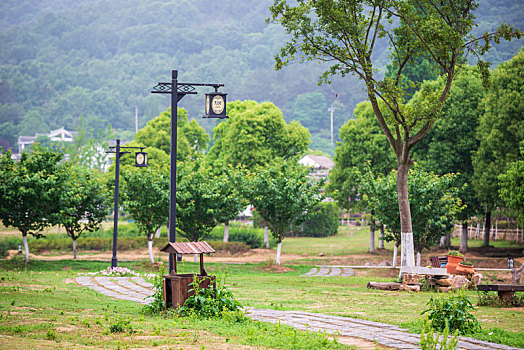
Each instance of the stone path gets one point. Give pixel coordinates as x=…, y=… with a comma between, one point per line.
x=329, y=271
x=386, y=335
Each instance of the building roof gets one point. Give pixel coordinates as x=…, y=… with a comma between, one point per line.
x=318, y=162
x=188, y=248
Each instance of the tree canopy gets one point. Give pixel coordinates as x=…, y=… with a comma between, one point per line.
x=256, y=134
x=345, y=35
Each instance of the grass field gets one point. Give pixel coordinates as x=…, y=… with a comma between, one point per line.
x=41, y=304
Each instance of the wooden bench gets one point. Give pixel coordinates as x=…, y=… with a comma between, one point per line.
x=506, y=292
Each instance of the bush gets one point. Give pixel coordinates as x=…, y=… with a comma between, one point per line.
x=322, y=222
x=253, y=237
x=211, y=301
x=9, y=243
x=229, y=247
x=452, y=311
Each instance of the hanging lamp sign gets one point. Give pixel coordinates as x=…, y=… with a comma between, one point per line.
x=216, y=105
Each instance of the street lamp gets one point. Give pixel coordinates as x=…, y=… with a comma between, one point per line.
x=140, y=161
x=215, y=108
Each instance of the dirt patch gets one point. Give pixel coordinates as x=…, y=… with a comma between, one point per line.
x=274, y=268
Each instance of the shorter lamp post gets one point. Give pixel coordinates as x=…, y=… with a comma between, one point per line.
x=140, y=161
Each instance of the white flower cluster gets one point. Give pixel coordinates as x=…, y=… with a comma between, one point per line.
x=119, y=272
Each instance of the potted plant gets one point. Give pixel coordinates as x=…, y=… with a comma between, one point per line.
x=454, y=258
x=465, y=268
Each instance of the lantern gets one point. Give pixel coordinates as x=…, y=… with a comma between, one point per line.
x=216, y=105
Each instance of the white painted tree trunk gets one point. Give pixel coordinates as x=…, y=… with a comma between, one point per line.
x=226, y=231
x=195, y=258
x=266, y=237
x=279, y=247
x=395, y=252
x=26, y=248
x=407, y=253
x=75, y=249
x=418, y=258
x=150, y=249
x=442, y=244
x=157, y=234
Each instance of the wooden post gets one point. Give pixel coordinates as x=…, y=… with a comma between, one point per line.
x=202, y=264
x=174, y=263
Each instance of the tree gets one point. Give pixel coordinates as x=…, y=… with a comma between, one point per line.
x=500, y=132
x=256, y=134
x=283, y=194
x=345, y=34
x=30, y=191
x=83, y=204
x=511, y=189
x=206, y=196
x=192, y=139
x=145, y=196
x=451, y=143
x=435, y=204
x=362, y=141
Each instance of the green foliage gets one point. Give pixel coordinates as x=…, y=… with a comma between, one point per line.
x=430, y=341
x=511, y=189
x=145, y=197
x=256, y=134
x=501, y=130
x=362, y=141
x=84, y=201
x=493, y=300
x=157, y=305
x=434, y=204
x=282, y=193
x=321, y=222
x=120, y=324
x=209, y=302
x=455, y=253
x=453, y=312
x=253, y=237
x=206, y=196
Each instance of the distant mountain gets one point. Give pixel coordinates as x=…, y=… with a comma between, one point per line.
x=61, y=60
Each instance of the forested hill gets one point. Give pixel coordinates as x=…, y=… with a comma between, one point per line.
x=64, y=59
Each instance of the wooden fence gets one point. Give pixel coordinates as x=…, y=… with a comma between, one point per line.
x=477, y=232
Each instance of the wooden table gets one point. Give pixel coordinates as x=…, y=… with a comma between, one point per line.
x=506, y=292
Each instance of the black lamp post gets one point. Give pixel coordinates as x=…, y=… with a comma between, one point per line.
x=140, y=161
x=215, y=108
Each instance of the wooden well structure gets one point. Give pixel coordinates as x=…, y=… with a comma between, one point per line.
x=177, y=285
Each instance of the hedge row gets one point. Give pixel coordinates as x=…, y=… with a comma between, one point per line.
x=65, y=244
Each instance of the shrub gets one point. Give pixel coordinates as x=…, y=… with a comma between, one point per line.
x=430, y=341
x=8, y=243
x=452, y=311
x=230, y=247
x=253, y=237
x=210, y=302
x=322, y=222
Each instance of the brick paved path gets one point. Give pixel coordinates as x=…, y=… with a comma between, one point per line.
x=390, y=336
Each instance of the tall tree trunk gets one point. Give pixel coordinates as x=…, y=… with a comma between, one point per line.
x=75, y=249
x=226, y=231
x=407, y=253
x=488, y=227
x=279, y=248
x=266, y=236
x=372, y=233
x=26, y=247
x=157, y=234
x=150, y=247
x=395, y=252
x=381, y=237
x=464, y=238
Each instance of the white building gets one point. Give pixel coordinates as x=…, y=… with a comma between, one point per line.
x=55, y=135
x=320, y=165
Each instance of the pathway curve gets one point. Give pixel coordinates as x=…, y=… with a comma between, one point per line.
x=390, y=336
